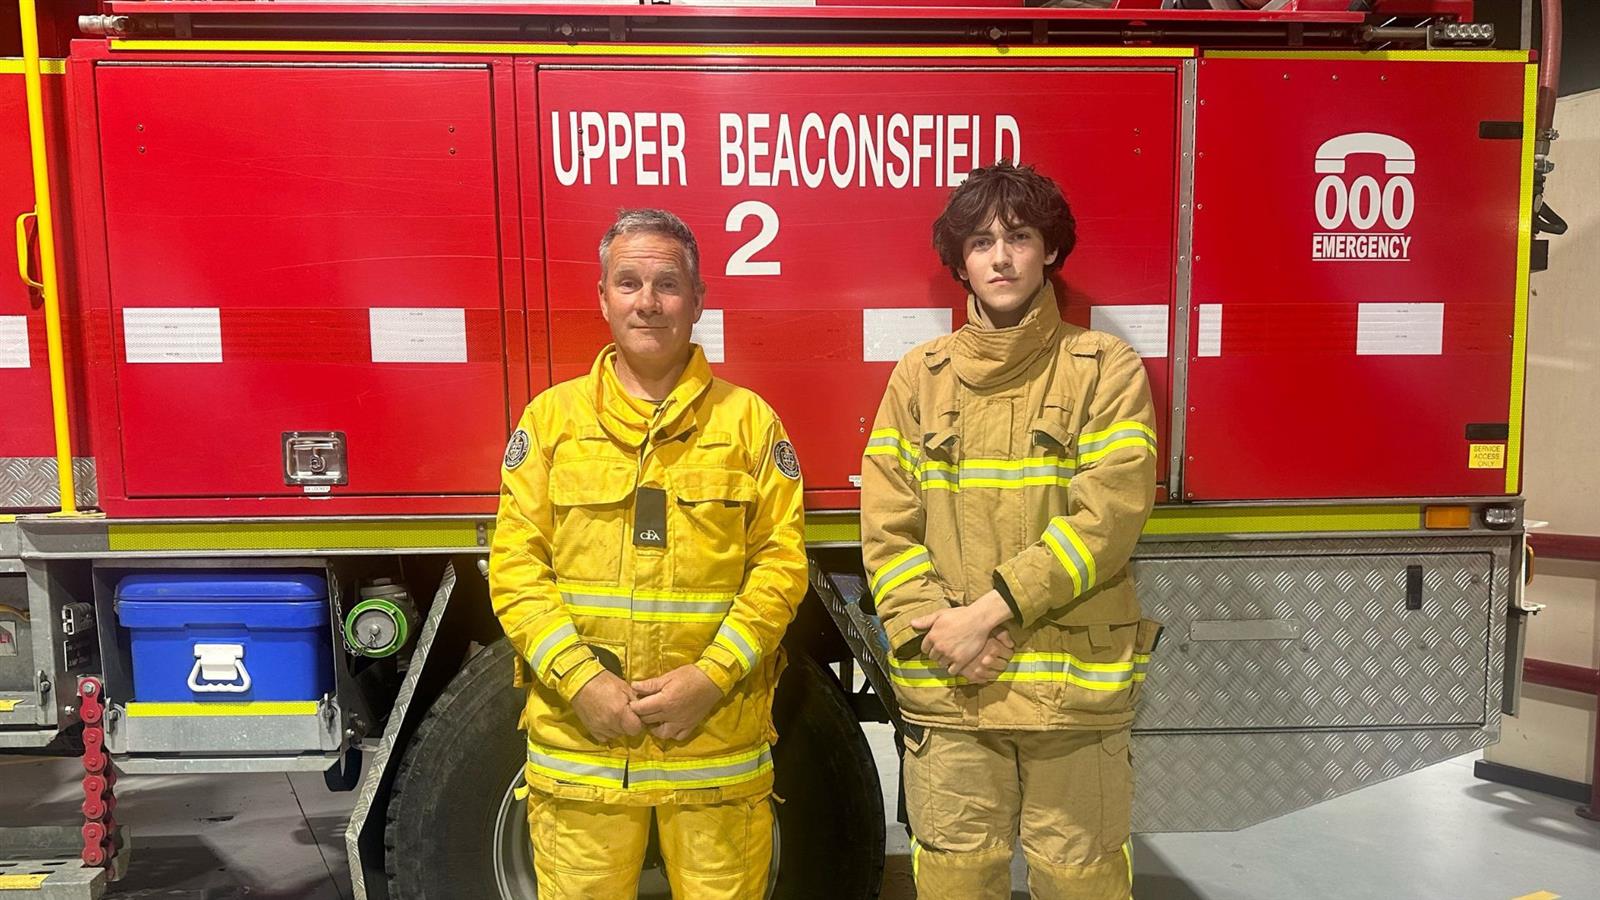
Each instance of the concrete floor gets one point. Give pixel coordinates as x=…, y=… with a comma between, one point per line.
x=1437, y=833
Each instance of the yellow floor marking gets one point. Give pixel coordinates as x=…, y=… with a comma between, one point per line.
x=1539, y=895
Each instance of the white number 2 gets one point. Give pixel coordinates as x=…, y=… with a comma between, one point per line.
x=740, y=263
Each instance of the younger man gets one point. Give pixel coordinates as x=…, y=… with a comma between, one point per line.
x=1006, y=480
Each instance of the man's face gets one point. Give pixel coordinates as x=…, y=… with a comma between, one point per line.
x=1005, y=266
x=649, y=299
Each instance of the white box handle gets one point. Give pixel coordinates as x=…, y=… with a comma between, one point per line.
x=222, y=667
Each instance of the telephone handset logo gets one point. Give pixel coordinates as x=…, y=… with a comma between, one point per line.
x=1364, y=201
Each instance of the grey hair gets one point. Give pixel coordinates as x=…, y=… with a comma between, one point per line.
x=653, y=221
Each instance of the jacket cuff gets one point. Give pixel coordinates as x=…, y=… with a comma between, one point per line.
x=1004, y=590
x=573, y=669
x=719, y=666
x=905, y=641
x=1030, y=597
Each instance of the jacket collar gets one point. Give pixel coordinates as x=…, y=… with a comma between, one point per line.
x=985, y=356
x=628, y=424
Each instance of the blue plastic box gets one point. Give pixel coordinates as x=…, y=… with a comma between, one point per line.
x=229, y=637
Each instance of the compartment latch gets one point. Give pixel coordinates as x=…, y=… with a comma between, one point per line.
x=314, y=457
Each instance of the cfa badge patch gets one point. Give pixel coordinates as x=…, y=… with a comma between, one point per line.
x=517, y=450
x=783, y=455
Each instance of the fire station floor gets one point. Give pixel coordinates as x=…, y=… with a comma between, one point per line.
x=1436, y=833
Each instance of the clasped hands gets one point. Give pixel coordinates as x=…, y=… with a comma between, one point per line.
x=672, y=706
x=970, y=641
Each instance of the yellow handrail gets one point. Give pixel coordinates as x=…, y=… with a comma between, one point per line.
x=23, y=264
x=47, y=256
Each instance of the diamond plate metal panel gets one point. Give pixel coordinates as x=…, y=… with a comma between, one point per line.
x=29, y=482
x=1505, y=551
x=1195, y=780
x=1222, y=782
x=1361, y=658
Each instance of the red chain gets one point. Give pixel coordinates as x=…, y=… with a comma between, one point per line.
x=99, y=828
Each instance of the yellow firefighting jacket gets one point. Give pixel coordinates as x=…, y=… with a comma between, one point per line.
x=579, y=583
x=1021, y=460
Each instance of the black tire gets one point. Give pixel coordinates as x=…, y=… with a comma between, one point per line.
x=440, y=839
x=445, y=809
x=831, y=820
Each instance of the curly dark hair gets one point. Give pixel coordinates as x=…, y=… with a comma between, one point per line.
x=1020, y=196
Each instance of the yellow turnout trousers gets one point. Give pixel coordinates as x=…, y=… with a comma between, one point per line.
x=1068, y=794
x=586, y=850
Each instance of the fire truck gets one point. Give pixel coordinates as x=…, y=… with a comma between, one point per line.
x=288, y=272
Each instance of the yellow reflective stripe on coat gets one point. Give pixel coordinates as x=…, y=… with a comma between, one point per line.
x=1127, y=854
x=549, y=644
x=1096, y=445
x=902, y=568
x=617, y=773
x=1031, y=666
x=648, y=606
x=936, y=476
x=970, y=473
x=700, y=773
x=1011, y=473
x=1002, y=474
x=578, y=768
x=681, y=606
x=889, y=442
x=733, y=637
x=597, y=600
x=916, y=858
x=1072, y=553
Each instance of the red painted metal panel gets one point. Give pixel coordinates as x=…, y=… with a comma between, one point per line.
x=510, y=200
x=24, y=375
x=293, y=201
x=530, y=235
x=58, y=25
x=98, y=397
x=797, y=337
x=25, y=416
x=1351, y=377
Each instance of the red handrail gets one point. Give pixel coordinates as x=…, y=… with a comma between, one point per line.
x=1560, y=675
x=1581, y=547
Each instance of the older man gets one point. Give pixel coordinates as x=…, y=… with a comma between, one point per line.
x=648, y=556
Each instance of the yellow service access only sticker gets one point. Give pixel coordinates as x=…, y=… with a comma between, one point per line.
x=22, y=882
x=1486, y=456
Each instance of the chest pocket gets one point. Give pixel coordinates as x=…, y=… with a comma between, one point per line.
x=707, y=527
x=937, y=467
x=592, y=502
x=1053, y=448
x=1054, y=431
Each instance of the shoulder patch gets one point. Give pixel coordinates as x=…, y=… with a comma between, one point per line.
x=517, y=450
x=788, y=463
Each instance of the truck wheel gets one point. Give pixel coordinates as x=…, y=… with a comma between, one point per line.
x=440, y=840
x=455, y=830
x=831, y=818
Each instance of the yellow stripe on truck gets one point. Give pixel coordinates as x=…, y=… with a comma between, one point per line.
x=1519, y=327
x=136, y=710
x=331, y=535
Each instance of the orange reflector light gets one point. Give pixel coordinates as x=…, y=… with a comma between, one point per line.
x=1447, y=517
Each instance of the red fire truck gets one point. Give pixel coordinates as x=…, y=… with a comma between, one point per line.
x=289, y=271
